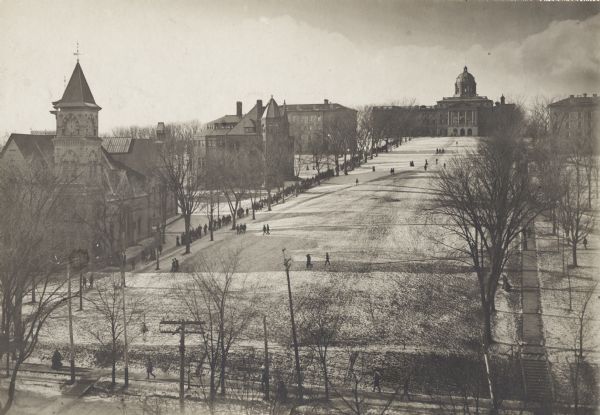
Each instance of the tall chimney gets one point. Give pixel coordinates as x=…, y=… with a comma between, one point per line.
x=238, y=108
x=259, y=107
x=326, y=101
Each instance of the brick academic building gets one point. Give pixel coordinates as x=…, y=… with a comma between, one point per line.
x=463, y=114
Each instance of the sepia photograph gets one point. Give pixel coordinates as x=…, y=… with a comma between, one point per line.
x=299, y=207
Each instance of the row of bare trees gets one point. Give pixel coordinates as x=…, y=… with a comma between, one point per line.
x=32, y=206
x=566, y=164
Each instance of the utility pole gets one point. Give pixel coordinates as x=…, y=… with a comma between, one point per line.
x=287, y=262
x=265, y=375
x=71, y=343
x=80, y=289
x=181, y=329
x=126, y=352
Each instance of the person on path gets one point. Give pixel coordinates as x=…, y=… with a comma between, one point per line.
x=264, y=378
x=150, y=369
x=377, y=381
x=84, y=282
x=373, y=168
x=177, y=241
x=436, y=161
x=92, y=281
x=356, y=183
x=268, y=230
x=585, y=243
x=308, y=262
x=176, y=265
x=264, y=229
x=327, y=259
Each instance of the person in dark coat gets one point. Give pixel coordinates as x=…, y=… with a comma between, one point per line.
x=376, y=381
x=150, y=369
x=327, y=259
x=177, y=243
x=308, y=261
x=264, y=229
x=268, y=230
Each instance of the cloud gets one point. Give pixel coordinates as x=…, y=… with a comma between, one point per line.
x=185, y=65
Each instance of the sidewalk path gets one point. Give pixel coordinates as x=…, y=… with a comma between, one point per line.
x=536, y=373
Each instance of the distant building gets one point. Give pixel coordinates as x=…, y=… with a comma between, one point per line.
x=110, y=180
x=311, y=123
x=576, y=116
x=256, y=144
x=463, y=114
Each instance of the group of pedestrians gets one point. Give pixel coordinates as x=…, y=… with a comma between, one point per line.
x=309, y=264
x=240, y=228
x=174, y=265
x=266, y=229
x=440, y=151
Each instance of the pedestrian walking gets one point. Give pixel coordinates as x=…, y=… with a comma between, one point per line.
x=84, y=282
x=377, y=381
x=264, y=229
x=373, y=168
x=150, y=369
x=356, y=183
x=436, y=161
x=308, y=262
x=92, y=281
x=327, y=259
x=268, y=230
x=177, y=241
x=585, y=243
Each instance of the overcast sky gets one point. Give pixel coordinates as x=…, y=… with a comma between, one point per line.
x=149, y=61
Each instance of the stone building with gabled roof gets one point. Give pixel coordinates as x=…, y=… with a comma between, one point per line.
x=116, y=199
x=257, y=144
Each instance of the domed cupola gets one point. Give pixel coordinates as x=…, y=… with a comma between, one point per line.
x=465, y=85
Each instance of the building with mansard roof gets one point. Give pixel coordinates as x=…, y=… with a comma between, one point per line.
x=117, y=201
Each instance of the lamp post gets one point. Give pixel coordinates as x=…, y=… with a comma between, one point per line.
x=287, y=263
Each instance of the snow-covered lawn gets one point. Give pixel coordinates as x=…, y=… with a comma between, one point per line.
x=381, y=250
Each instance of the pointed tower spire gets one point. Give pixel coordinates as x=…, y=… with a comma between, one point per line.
x=77, y=93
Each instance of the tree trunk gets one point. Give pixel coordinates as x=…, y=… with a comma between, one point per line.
x=269, y=199
x=345, y=164
x=113, y=372
x=337, y=165
x=11, y=388
x=574, y=248
x=326, y=376
x=187, y=218
x=213, y=389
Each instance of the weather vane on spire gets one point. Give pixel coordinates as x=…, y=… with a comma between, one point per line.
x=77, y=53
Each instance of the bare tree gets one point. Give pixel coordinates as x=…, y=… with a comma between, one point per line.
x=320, y=315
x=31, y=206
x=182, y=174
x=107, y=301
x=217, y=296
x=583, y=332
x=485, y=199
x=575, y=217
x=340, y=131
x=359, y=376
x=364, y=131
